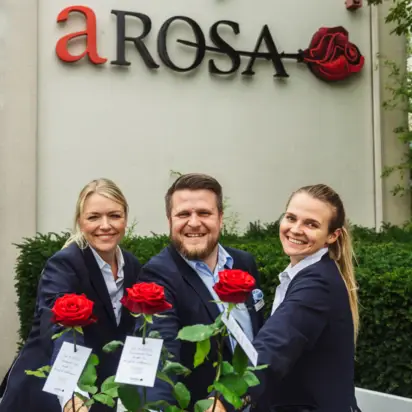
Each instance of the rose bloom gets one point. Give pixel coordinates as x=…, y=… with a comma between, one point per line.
x=146, y=298
x=234, y=286
x=73, y=310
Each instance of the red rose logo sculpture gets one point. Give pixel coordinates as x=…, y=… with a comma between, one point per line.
x=145, y=298
x=234, y=286
x=73, y=310
x=331, y=56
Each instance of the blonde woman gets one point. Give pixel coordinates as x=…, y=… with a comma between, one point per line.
x=309, y=340
x=92, y=263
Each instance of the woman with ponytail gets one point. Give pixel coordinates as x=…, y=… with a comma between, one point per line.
x=309, y=340
x=91, y=263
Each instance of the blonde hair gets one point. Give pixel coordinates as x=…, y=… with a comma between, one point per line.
x=341, y=251
x=104, y=187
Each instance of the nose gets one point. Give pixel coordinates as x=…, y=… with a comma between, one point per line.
x=105, y=224
x=296, y=228
x=194, y=220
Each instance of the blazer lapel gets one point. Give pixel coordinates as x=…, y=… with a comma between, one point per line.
x=130, y=278
x=250, y=305
x=199, y=287
x=98, y=283
x=196, y=283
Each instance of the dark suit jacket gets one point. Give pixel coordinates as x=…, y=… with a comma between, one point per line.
x=192, y=305
x=309, y=345
x=71, y=270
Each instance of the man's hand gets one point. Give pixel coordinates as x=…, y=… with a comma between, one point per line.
x=78, y=406
x=219, y=407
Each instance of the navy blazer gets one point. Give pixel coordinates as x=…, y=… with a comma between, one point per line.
x=192, y=305
x=71, y=270
x=308, y=344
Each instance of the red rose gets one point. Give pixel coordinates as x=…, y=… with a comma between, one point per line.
x=331, y=56
x=234, y=286
x=147, y=298
x=73, y=310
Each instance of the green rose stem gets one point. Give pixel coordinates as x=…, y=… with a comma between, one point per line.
x=220, y=354
x=75, y=350
x=144, y=342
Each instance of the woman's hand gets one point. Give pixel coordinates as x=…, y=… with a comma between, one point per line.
x=78, y=406
x=219, y=407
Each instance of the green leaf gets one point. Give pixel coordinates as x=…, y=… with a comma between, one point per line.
x=182, y=395
x=227, y=368
x=157, y=405
x=234, y=383
x=175, y=368
x=165, y=378
x=105, y=399
x=256, y=368
x=89, y=374
x=79, y=329
x=112, y=346
x=130, y=397
x=110, y=387
x=87, y=388
x=38, y=373
x=230, y=396
x=172, y=408
x=57, y=335
x=46, y=368
x=251, y=379
x=155, y=334
x=93, y=359
x=240, y=360
x=202, y=350
x=203, y=405
x=196, y=333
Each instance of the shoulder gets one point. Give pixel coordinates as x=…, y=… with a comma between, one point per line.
x=322, y=275
x=69, y=254
x=165, y=264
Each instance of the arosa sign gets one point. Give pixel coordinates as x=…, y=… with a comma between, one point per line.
x=330, y=56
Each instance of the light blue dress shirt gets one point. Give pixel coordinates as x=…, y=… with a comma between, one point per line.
x=209, y=278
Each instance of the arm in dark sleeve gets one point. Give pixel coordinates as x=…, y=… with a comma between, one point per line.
x=57, y=279
x=295, y=326
x=167, y=326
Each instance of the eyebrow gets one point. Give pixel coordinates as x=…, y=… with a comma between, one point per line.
x=109, y=212
x=306, y=220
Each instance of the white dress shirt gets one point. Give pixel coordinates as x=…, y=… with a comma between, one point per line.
x=290, y=272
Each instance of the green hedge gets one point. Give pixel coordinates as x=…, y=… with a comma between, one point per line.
x=384, y=272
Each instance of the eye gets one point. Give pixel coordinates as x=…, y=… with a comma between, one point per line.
x=289, y=218
x=116, y=216
x=183, y=214
x=91, y=218
x=312, y=225
x=204, y=213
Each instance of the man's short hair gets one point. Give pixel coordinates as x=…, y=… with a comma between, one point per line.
x=194, y=181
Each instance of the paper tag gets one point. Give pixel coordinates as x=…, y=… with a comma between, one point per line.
x=259, y=305
x=237, y=332
x=138, y=363
x=67, y=369
x=120, y=407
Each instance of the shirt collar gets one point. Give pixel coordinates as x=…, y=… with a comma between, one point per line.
x=223, y=259
x=292, y=271
x=102, y=263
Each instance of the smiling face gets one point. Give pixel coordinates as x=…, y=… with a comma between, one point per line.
x=103, y=224
x=304, y=228
x=195, y=224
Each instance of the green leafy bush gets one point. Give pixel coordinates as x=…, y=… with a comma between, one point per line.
x=384, y=272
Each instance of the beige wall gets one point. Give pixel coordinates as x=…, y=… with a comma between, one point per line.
x=18, y=128
x=134, y=126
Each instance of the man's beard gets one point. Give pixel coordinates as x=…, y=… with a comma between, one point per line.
x=196, y=253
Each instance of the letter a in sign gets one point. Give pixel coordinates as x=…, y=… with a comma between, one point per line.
x=90, y=33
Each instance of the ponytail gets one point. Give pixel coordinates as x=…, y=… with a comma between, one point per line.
x=342, y=253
